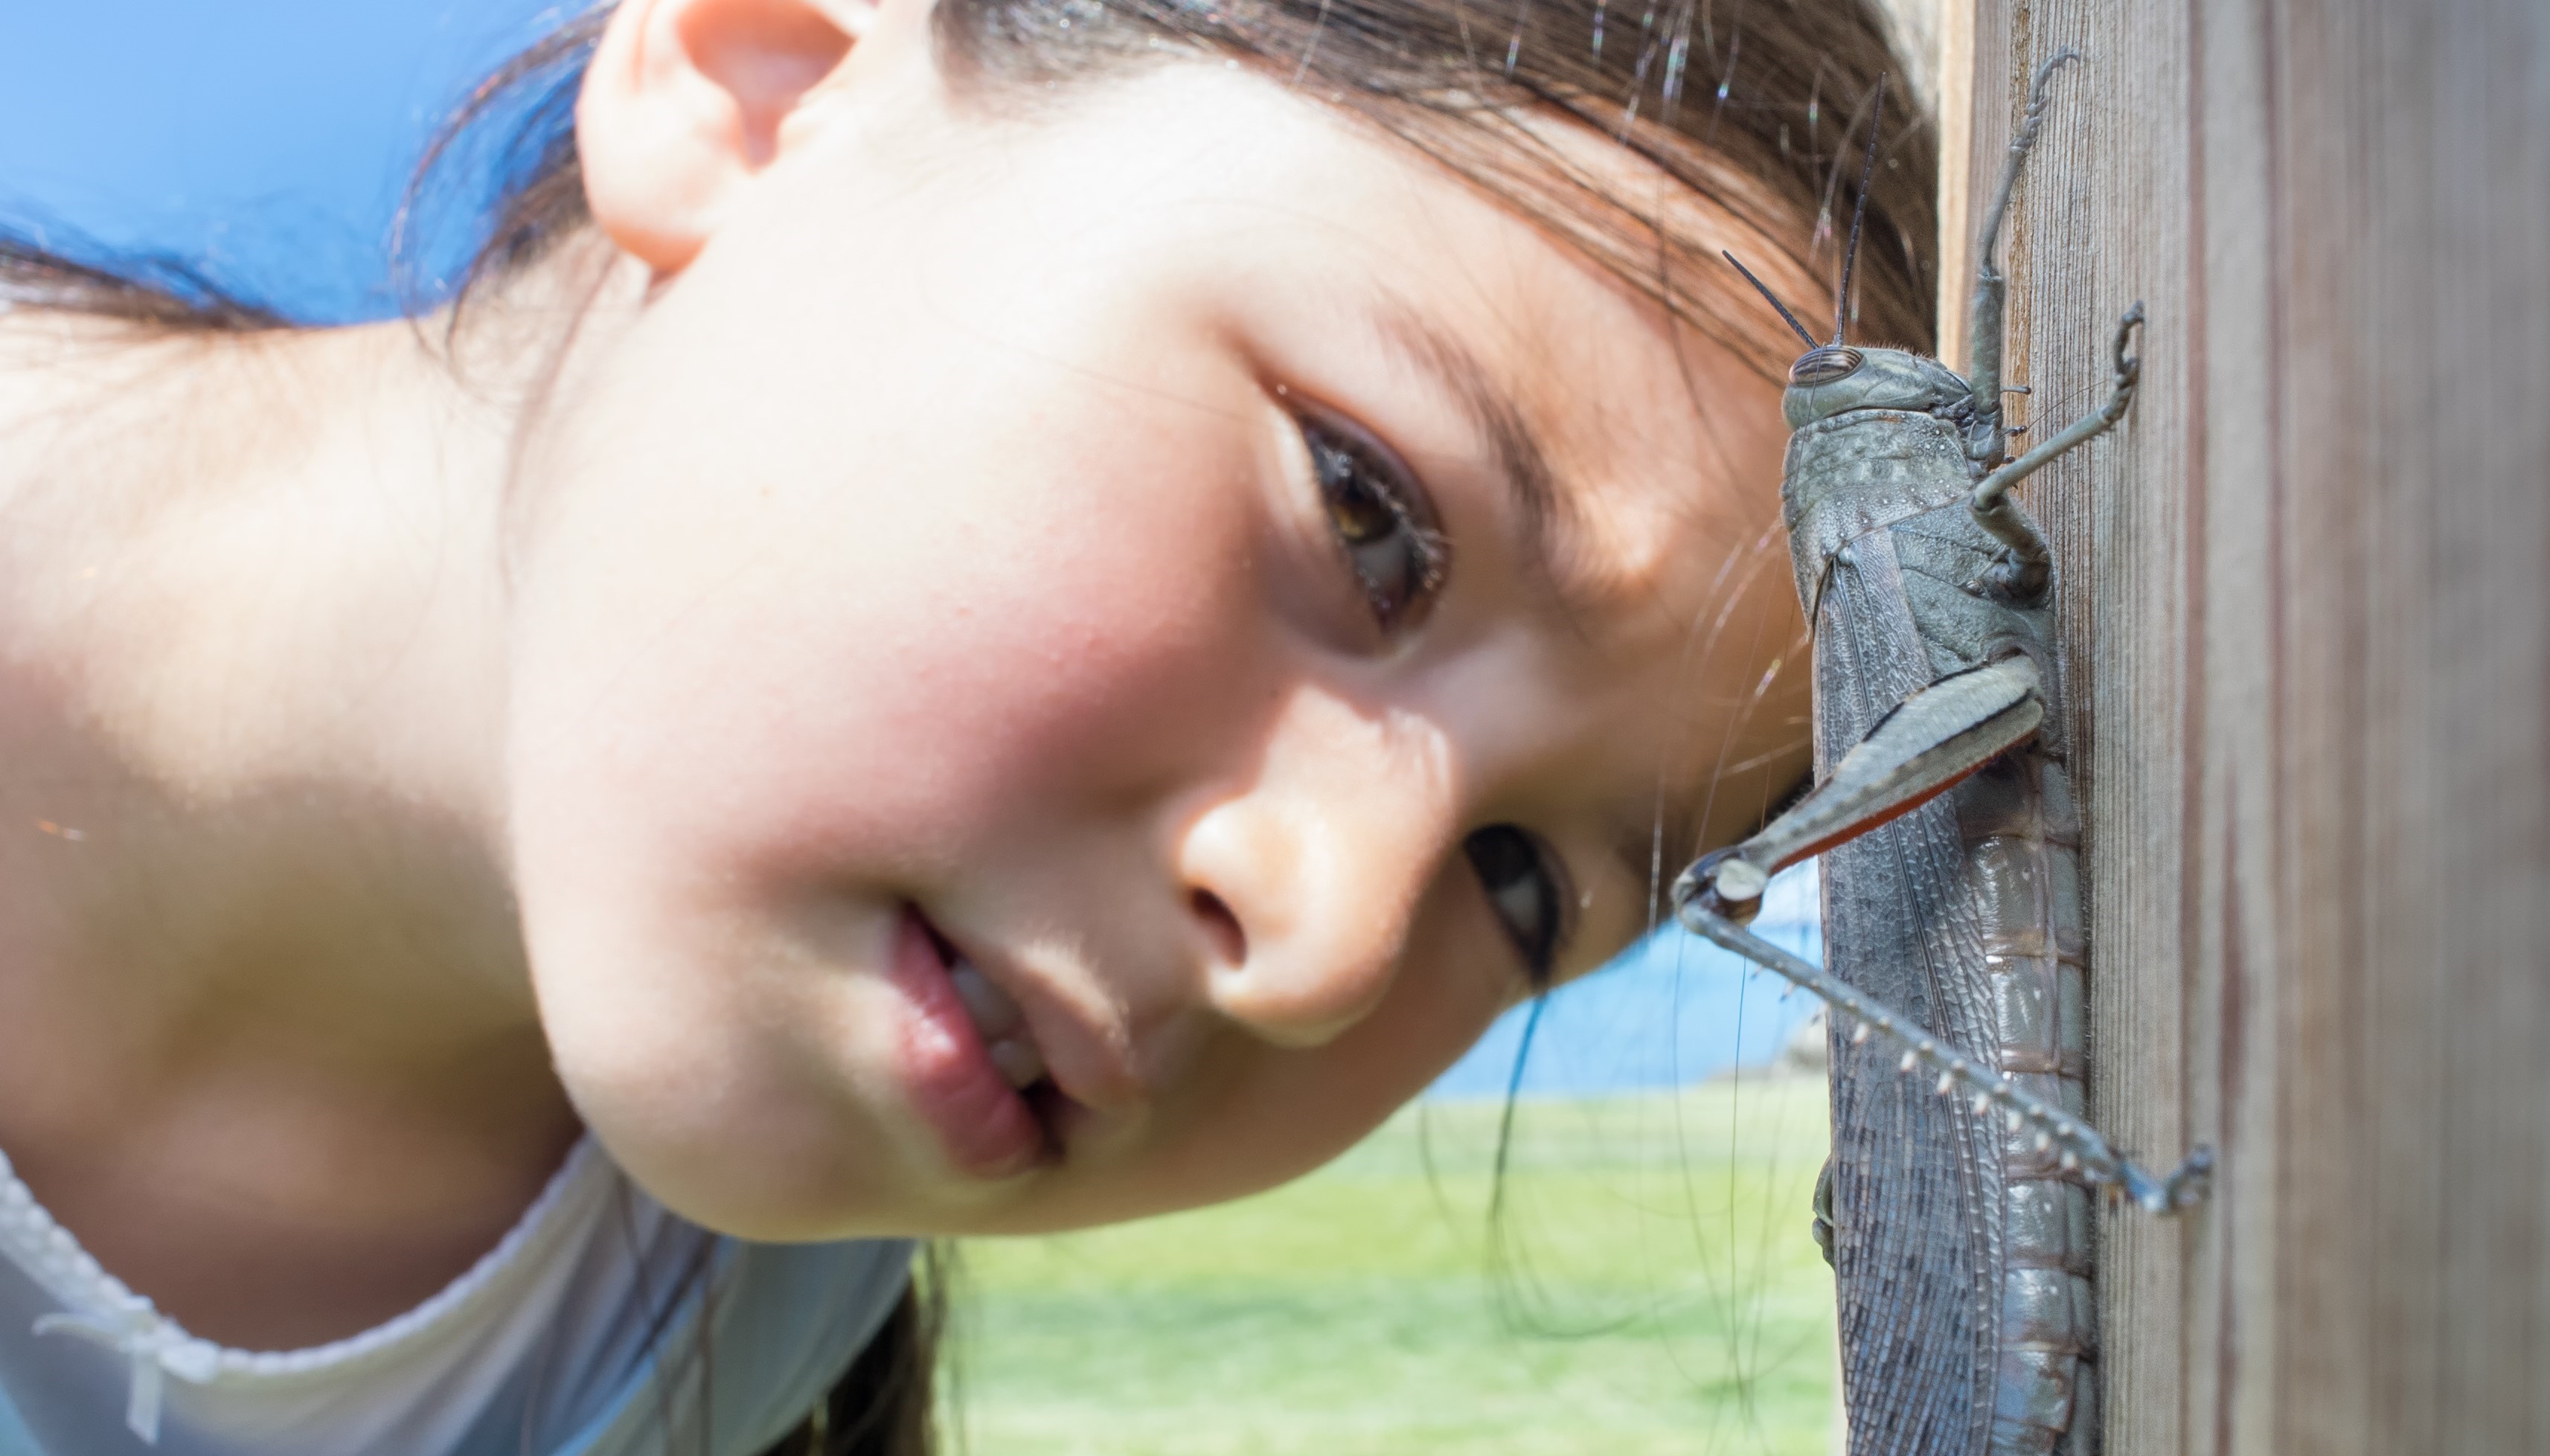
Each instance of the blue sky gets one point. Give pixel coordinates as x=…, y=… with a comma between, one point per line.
x=268, y=139
x=270, y=143
x=1673, y=1010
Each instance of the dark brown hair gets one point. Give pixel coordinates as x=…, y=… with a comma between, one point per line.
x=1762, y=111
x=154, y=292
x=1756, y=108
x=884, y=1405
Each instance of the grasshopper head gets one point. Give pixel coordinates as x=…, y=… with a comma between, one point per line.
x=1835, y=378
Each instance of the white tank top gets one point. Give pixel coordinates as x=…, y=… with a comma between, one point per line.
x=600, y=1325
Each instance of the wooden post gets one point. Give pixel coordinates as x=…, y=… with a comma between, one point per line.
x=2307, y=598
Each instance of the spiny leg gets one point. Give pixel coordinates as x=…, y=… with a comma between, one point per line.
x=1984, y=443
x=2022, y=574
x=1931, y=740
x=2084, y=1151
x=1934, y=738
x=1937, y=736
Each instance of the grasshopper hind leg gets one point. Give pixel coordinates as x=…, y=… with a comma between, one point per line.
x=1931, y=740
x=2085, y=1154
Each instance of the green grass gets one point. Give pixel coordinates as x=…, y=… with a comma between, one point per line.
x=1653, y=1291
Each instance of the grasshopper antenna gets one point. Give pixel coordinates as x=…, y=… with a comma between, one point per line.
x=1858, y=209
x=1775, y=298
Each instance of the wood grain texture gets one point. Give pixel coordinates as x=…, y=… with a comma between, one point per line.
x=1954, y=107
x=2307, y=607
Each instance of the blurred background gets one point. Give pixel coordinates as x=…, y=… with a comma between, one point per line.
x=1639, y=1280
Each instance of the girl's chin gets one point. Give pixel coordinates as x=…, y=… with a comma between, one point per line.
x=860, y=1100
x=747, y=1184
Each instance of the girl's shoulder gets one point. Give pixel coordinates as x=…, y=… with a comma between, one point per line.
x=597, y=1322
x=102, y=397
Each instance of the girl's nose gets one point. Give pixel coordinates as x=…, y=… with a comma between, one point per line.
x=1306, y=880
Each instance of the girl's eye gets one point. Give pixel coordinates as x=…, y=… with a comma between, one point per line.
x=1529, y=890
x=1382, y=521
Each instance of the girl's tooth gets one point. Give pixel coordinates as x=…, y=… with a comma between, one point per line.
x=1018, y=1062
x=994, y=1014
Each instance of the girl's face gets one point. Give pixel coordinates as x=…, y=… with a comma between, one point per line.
x=1175, y=602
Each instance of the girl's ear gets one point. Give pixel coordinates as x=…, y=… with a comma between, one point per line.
x=686, y=100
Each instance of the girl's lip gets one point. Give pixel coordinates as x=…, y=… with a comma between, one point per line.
x=987, y=1129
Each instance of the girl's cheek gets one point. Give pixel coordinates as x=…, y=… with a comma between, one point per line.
x=981, y=620
x=1085, y=637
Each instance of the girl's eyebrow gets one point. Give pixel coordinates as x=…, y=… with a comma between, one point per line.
x=1540, y=514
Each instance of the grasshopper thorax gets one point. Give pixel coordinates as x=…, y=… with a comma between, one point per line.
x=1837, y=378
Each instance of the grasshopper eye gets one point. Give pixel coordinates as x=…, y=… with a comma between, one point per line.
x=1824, y=364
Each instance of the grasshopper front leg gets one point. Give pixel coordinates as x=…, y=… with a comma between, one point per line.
x=1936, y=737
x=2021, y=576
x=1985, y=442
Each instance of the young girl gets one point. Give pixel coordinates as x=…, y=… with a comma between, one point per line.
x=987, y=618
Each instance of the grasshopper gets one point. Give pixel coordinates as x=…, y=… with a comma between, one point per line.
x=1958, y=1224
